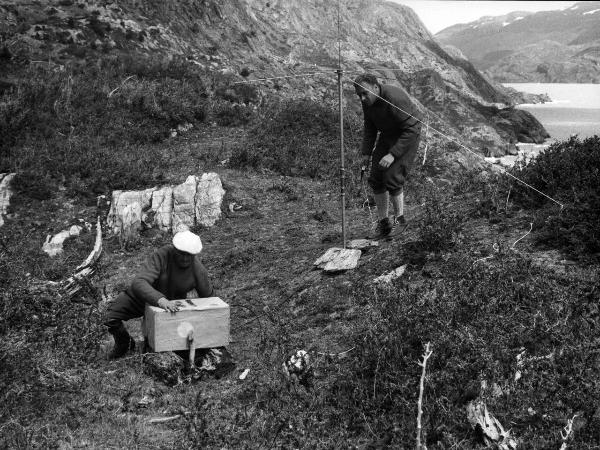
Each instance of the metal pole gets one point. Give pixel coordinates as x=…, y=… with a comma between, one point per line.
x=342, y=168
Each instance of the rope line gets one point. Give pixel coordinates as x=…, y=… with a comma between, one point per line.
x=449, y=138
x=284, y=76
x=459, y=144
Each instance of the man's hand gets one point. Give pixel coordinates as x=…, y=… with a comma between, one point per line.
x=386, y=161
x=167, y=305
x=365, y=162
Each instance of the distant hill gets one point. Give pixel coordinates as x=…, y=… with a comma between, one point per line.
x=561, y=46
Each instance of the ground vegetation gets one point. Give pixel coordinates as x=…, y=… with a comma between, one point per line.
x=509, y=321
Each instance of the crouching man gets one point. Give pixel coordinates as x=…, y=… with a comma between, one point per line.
x=169, y=274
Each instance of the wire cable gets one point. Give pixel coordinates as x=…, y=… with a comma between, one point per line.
x=458, y=143
x=284, y=76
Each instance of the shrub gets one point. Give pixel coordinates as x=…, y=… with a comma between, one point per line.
x=568, y=171
x=300, y=137
x=441, y=222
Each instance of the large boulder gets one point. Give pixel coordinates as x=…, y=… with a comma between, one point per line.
x=184, y=198
x=196, y=201
x=209, y=196
x=123, y=216
x=162, y=205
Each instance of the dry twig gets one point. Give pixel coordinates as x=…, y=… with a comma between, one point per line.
x=567, y=433
x=423, y=364
x=530, y=228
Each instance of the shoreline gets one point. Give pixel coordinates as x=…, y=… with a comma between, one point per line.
x=525, y=152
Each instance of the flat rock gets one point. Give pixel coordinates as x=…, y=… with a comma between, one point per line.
x=362, y=244
x=338, y=259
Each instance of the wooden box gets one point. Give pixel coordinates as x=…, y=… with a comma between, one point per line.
x=208, y=318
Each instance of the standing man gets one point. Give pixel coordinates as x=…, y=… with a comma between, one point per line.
x=170, y=273
x=389, y=111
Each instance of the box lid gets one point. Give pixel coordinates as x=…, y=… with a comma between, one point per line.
x=195, y=304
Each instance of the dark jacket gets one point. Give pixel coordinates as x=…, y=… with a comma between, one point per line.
x=161, y=277
x=390, y=121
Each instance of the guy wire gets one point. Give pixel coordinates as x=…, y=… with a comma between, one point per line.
x=459, y=144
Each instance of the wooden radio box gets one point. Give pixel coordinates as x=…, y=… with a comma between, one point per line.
x=208, y=318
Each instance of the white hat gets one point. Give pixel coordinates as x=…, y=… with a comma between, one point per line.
x=188, y=242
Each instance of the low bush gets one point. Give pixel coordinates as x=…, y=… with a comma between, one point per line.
x=441, y=222
x=569, y=172
x=301, y=138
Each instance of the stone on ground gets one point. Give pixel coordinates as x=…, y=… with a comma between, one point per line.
x=392, y=275
x=54, y=245
x=362, y=244
x=338, y=259
x=5, y=194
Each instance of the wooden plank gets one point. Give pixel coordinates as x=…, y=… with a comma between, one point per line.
x=208, y=318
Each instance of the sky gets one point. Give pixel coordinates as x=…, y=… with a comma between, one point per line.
x=437, y=15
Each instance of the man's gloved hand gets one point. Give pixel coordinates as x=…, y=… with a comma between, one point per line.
x=167, y=305
x=386, y=161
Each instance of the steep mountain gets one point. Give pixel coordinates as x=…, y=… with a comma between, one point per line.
x=559, y=46
x=252, y=39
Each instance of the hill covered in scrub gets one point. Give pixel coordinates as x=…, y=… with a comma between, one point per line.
x=254, y=39
x=561, y=46
x=499, y=280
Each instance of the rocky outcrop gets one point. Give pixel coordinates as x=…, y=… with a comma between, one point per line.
x=519, y=127
x=197, y=201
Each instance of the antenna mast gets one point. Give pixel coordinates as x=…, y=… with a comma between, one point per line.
x=340, y=72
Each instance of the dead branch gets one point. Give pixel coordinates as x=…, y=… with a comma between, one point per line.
x=164, y=419
x=530, y=228
x=73, y=284
x=423, y=364
x=567, y=433
x=119, y=86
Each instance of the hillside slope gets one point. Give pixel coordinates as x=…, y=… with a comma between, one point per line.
x=561, y=46
x=272, y=39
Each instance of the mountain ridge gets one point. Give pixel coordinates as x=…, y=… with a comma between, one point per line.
x=548, y=46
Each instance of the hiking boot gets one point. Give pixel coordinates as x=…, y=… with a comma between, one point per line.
x=398, y=225
x=383, y=228
x=123, y=342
